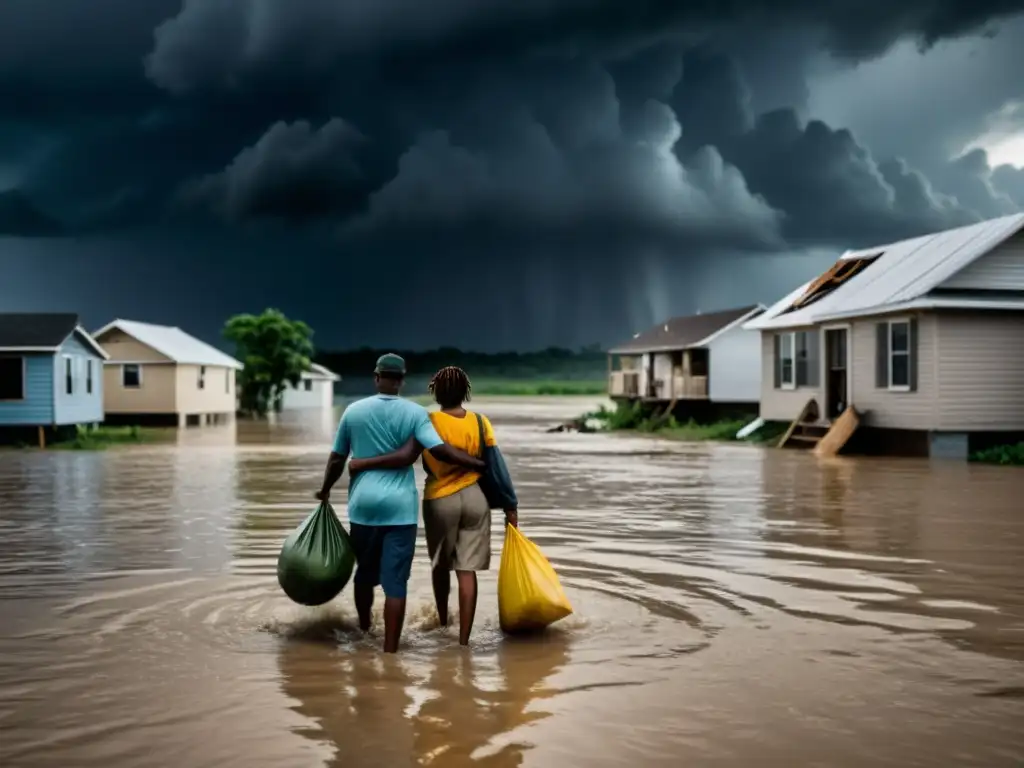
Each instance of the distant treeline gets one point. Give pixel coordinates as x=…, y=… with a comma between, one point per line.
x=551, y=363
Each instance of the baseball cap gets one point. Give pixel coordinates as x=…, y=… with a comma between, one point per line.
x=390, y=363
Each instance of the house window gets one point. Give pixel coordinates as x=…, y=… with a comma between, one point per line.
x=131, y=376
x=308, y=385
x=88, y=377
x=787, y=368
x=899, y=355
x=202, y=377
x=12, y=378
x=69, y=375
x=797, y=359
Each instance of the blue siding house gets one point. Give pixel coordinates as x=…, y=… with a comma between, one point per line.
x=51, y=372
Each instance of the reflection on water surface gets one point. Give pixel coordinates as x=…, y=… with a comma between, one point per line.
x=735, y=606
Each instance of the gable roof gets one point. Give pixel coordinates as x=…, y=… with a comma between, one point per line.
x=318, y=371
x=686, y=331
x=905, y=272
x=42, y=332
x=173, y=343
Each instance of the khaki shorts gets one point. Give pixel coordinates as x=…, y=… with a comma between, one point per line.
x=458, y=529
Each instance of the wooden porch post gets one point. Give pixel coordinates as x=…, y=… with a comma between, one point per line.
x=42, y=436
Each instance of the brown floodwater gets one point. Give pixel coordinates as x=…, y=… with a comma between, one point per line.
x=735, y=606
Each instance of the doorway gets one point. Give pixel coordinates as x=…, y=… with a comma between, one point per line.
x=837, y=373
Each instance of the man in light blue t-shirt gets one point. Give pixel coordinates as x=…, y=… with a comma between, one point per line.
x=383, y=505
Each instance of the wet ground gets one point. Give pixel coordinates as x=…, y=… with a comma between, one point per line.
x=735, y=606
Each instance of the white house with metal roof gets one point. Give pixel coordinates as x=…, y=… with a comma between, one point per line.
x=315, y=390
x=924, y=338
x=160, y=374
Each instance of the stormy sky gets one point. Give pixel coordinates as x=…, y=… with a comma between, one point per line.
x=501, y=174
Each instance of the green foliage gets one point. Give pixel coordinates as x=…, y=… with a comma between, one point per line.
x=96, y=439
x=692, y=431
x=1006, y=455
x=550, y=365
x=276, y=352
x=535, y=387
x=637, y=417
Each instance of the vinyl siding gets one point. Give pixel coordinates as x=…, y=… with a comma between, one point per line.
x=321, y=396
x=781, y=404
x=980, y=384
x=123, y=348
x=37, y=407
x=734, y=372
x=881, y=407
x=1000, y=270
x=79, y=407
x=158, y=393
x=213, y=398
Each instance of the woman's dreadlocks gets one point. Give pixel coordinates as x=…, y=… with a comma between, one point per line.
x=450, y=387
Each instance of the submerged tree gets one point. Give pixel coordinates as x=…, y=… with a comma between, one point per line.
x=276, y=352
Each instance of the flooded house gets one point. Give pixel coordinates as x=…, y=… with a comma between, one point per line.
x=157, y=374
x=699, y=366
x=50, y=375
x=315, y=390
x=908, y=348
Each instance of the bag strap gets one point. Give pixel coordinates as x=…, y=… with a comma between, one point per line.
x=480, y=427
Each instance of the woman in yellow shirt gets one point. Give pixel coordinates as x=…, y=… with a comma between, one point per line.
x=456, y=514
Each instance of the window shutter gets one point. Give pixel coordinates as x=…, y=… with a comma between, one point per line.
x=882, y=355
x=813, y=358
x=912, y=361
x=777, y=360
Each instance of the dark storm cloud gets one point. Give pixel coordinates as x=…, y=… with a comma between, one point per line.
x=294, y=171
x=626, y=155
x=225, y=43
x=1010, y=181
x=830, y=186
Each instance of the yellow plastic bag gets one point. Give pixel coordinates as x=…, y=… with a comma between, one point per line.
x=529, y=594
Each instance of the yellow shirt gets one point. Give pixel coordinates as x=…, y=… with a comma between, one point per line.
x=446, y=479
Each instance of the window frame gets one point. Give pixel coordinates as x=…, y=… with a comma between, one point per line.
x=893, y=353
x=307, y=385
x=69, y=375
x=791, y=384
x=124, y=369
x=89, y=383
x=24, y=379
x=201, y=378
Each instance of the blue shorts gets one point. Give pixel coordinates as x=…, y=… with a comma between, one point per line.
x=384, y=556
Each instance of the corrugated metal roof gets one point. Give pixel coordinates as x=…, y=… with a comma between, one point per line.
x=172, y=343
x=905, y=271
x=682, y=332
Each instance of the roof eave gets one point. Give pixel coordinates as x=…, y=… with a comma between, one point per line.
x=92, y=342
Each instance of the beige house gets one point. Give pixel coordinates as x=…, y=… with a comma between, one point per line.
x=920, y=339
x=161, y=375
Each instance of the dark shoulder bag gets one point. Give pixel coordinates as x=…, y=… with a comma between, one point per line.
x=495, y=481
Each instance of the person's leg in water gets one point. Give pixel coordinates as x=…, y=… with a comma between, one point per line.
x=367, y=542
x=442, y=582
x=467, y=603
x=441, y=524
x=399, y=545
x=472, y=554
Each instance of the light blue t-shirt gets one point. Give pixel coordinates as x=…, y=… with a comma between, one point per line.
x=372, y=427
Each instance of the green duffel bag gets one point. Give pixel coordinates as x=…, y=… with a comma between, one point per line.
x=317, y=559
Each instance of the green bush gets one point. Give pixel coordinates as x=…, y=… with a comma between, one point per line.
x=96, y=439
x=1006, y=455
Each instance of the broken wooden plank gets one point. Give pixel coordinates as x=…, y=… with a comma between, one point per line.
x=840, y=433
